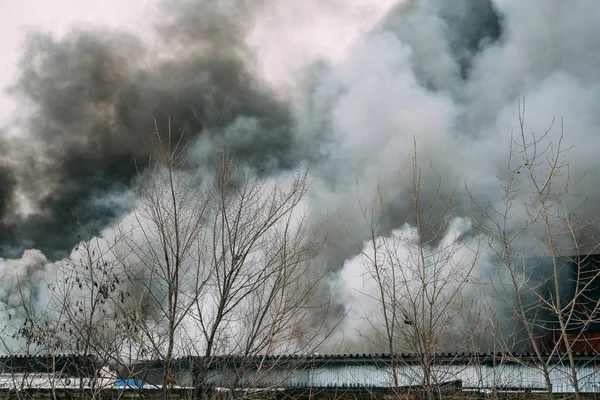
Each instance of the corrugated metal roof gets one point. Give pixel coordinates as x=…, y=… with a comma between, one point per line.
x=476, y=371
x=473, y=371
x=67, y=364
x=315, y=360
x=475, y=376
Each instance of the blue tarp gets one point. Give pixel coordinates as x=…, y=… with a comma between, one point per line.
x=131, y=383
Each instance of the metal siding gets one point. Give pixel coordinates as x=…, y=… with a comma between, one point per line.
x=482, y=377
x=371, y=372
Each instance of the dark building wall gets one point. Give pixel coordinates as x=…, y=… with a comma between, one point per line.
x=579, y=293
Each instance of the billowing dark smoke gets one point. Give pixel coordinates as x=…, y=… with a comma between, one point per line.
x=93, y=95
x=466, y=28
x=7, y=185
x=471, y=27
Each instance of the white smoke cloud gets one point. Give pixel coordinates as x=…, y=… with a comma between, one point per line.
x=22, y=288
x=409, y=80
x=449, y=267
x=20, y=278
x=402, y=82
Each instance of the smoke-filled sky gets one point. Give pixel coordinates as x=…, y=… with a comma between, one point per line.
x=344, y=84
x=85, y=84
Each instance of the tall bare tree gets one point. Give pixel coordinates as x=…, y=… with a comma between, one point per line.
x=222, y=262
x=546, y=277
x=79, y=315
x=420, y=271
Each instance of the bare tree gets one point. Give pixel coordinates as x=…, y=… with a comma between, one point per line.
x=160, y=254
x=90, y=289
x=221, y=262
x=421, y=272
x=264, y=279
x=78, y=315
x=545, y=277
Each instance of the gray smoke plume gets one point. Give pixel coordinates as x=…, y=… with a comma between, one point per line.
x=404, y=81
x=449, y=75
x=446, y=74
x=93, y=95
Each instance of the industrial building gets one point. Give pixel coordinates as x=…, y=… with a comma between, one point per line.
x=380, y=372
x=324, y=374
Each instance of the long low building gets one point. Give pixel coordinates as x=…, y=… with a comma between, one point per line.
x=342, y=372
x=472, y=372
x=54, y=372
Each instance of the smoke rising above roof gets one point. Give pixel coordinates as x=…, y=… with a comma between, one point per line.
x=447, y=75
